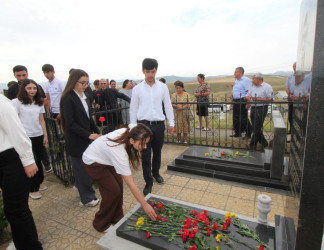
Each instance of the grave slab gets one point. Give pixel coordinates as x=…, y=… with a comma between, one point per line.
x=111, y=240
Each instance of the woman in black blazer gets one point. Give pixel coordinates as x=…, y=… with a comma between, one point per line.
x=79, y=131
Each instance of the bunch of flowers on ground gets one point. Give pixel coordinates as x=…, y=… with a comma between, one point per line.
x=196, y=229
x=226, y=154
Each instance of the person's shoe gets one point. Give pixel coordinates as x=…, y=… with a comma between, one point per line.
x=75, y=188
x=246, y=137
x=48, y=168
x=206, y=129
x=235, y=135
x=42, y=187
x=158, y=178
x=185, y=142
x=92, y=203
x=198, y=127
x=264, y=145
x=252, y=147
x=35, y=195
x=147, y=189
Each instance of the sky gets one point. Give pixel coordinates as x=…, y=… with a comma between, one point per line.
x=110, y=39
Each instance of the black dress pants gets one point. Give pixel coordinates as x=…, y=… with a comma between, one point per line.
x=38, y=150
x=15, y=189
x=156, y=146
x=258, y=115
x=241, y=121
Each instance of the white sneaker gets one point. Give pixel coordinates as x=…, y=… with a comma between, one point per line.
x=42, y=187
x=35, y=195
x=75, y=188
x=92, y=203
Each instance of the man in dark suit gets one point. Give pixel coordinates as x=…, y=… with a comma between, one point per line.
x=110, y=96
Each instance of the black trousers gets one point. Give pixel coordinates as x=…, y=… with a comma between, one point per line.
x=241, y=121
x=15, y=189
x=258, y=115
x=38, y=150
x=290, y=113
x=156, y=146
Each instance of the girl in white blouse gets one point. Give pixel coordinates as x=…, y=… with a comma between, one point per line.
x=30, y=107
x=107, y=160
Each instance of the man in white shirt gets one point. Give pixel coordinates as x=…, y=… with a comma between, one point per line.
x=17, y=166
x=146, y=108
x=53, y=90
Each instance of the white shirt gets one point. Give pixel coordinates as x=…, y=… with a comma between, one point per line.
x=12, y=133
x=104, y=151
x=55, y=89
x=29, y=117
x=146, y=103
x=84, y=103
x=264, y=90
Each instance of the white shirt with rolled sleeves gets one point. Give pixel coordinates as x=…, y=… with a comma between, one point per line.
x=146, y=103
x=55, y=89
x=12, y=133
x=264, y=90
x=107, y=152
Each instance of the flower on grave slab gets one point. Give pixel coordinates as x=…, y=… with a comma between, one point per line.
x=194, y=247
x=219, y=238
x=193, y=212
x=224, y=227
x=208, y=231
x=148, y=235
x=206, y=154
x=261, y=247
x=217, y=248
x=215, y=226
x=214, y=149
x=228, y=215
x=222, y=153
x=152, y=203
x=160, y=205
x=237, y=152
x=139, y=223
x=102, y=119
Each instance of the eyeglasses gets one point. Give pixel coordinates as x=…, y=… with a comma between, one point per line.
x=83, y=83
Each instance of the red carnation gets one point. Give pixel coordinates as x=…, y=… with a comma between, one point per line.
x=261, y=247
x=246, y=90
x=148, y=235
x=227, y=86
x=192, y=235
x=158, y=217
x=205, y=212
x=194, y=247
x=160, y=205
x=208, y=231
x=201, y=92
x=98, y=94
x=193, y=212
x=102, y=119
x=224, y=227
x=215, y=226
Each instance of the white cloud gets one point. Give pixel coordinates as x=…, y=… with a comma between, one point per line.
x=110, y=38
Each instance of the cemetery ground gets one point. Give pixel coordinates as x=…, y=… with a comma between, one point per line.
x=62, y=223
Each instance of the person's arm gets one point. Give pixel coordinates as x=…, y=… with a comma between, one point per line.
x=133, y=107
x=11, y=125
x=139, y=197
x=123, y=96
x=287, y=91
x=47, y=104
x=42, y=123
x=168, y=109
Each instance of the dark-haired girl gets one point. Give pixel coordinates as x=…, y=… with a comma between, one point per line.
x=30, y=108
x=108, y=160
x=79, y=131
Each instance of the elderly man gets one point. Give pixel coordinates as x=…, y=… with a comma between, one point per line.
x=259, y=94
x=241, y=122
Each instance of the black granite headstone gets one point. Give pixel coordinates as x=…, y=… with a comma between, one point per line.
x=266, y=234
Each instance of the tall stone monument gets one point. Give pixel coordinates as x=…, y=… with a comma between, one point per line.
x=307, y=169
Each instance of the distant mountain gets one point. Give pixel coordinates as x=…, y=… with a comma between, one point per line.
x=282, y=73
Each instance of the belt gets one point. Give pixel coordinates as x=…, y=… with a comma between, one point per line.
x=150, y=122
x=239, y=99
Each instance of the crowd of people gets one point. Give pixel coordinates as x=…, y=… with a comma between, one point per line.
x=108, y=159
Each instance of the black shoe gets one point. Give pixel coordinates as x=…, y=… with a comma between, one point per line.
x=264, y=145
x=158, y=178
x=246, y=137
x=147, y=189
x=48, y=168
x=235, y=135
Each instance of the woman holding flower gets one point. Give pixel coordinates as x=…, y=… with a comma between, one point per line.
x=108, y=160
x=180, y=111
x=79, y=131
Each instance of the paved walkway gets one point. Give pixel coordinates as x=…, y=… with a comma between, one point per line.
x=64, y=224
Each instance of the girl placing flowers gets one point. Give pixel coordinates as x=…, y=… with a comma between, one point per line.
x=107, y=161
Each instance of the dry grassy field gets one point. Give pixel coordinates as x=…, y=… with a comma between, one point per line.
x=222, y=86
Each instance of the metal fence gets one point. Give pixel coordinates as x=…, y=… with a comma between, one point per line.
x=220, y=122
